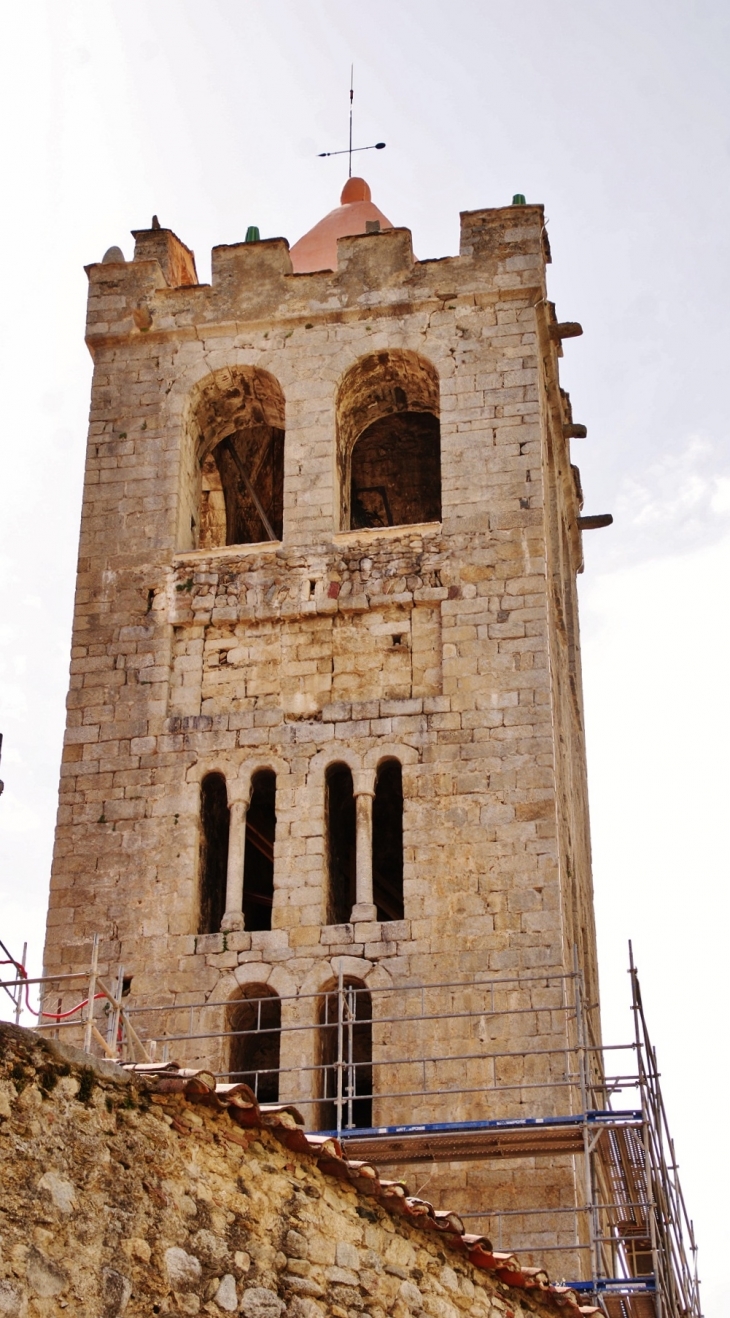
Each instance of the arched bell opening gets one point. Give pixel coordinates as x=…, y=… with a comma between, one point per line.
x=254, y=1024
x=239, y=418
x=389, y=441
x=395, y=473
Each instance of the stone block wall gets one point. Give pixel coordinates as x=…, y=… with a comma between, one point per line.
x=451, y=646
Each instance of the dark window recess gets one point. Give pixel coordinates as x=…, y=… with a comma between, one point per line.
x=243, y=488
x=340, y=832
x=396, y=472
x=388, y=841
x=213, y=852
x=258, y=865
x=255, y=1020
x=357, y=1054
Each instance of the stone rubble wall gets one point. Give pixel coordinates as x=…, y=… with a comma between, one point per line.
x=119, y=1201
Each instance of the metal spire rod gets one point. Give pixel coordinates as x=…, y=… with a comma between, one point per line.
x=352, y=93
x=376, y=146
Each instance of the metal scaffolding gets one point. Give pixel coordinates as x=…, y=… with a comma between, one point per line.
x=14, y=991
x=509, y=1067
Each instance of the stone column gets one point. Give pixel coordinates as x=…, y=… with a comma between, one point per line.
x=233, y=918
x=364, y=790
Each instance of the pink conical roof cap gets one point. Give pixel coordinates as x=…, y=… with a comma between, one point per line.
x=317, y=250
x=355, y=189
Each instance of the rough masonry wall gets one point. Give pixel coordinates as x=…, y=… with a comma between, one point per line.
x=282, y=655
x=564, y=559
x=118, y=1201
x=286, y=655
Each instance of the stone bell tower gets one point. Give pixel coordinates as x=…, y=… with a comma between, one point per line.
x=325, y=713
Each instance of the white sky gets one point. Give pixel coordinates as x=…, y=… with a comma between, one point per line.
x=615, y=115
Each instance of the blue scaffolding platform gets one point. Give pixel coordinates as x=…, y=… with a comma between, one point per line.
x=457, y=1141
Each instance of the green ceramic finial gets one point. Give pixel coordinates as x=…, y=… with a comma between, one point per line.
x=517, y=200
x=252, y=234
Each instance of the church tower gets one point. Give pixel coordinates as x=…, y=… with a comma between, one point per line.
x=325, y=726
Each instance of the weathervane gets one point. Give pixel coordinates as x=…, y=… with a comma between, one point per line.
x=376, y=146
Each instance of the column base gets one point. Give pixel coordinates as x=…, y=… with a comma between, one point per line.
x=363, y=911
x=232, y=921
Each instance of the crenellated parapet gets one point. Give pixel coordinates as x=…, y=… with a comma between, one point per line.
x=502, y=252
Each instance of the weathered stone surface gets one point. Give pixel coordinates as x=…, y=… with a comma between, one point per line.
x=449, y=644
x=45, y=1277
x=213, y=1249
x=226, y=1297
x=296, y=1245
x=11, y=1300
x=347, y=1255
x=182, y=1269
x=61, y=1191
x=260, y=1302
x=116, y=1291
x=156, y=1209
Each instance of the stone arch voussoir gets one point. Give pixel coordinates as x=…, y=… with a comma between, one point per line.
x=252, y=972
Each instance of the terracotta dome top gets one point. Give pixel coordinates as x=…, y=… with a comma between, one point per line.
x=355, y=189
x=317, y=249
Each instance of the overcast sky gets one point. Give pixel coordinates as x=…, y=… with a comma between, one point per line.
x=210, y=113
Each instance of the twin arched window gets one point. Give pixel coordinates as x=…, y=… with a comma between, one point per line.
x=341, y=833
x=388, y=450
x=258, y=864
x=388, y=841
x=342, y=842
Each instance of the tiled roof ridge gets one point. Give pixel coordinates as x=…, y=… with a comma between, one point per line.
x=286, y=1123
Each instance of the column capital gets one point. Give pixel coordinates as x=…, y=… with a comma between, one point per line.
x=240, y=803
x=363, y=782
